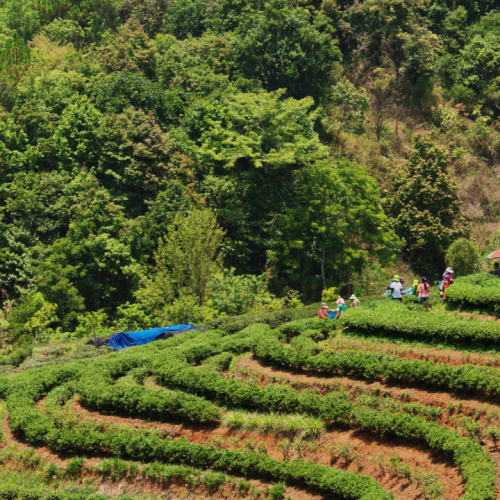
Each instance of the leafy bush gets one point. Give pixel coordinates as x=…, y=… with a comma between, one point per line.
x=463, y=256
x=238, y=294
x=273, y=319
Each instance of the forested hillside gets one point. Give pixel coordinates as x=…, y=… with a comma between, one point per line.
x=177, y=160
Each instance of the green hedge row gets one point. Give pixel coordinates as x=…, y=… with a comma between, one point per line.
x=79, y=437
x=233, y=324
x=374, y=365
x=395, y=318
x=130, y=398
x=16, y=357
x=236, y=394
x=315, y=328
x=475, y=295
x=8, y=492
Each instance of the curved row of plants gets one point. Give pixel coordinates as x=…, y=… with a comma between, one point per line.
x=57, y=429
x=374, y=365
x=475, y=464
x=173, y=363
x=396, y=319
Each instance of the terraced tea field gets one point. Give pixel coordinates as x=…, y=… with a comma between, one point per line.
x=306, y=409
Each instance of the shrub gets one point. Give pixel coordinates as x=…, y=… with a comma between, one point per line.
x=463, y=256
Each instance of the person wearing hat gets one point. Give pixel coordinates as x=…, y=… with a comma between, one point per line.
x=355, y=302
x=447, y=281
x=341, y=307
x=398, y=288
x=448, y=272
x=323, y=312
x=389, y=285
x=414, y=287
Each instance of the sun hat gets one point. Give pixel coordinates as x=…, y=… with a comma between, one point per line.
x=392, y=279
x=396, y=277
x=352, y=297
x=324, y=304
x=340, y=301
x=415, y=282
x=401, y=279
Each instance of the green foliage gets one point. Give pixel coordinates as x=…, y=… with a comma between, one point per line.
x=463, y=256
x=235, y=295
x=334, y=203
x=186, y=17
x=192, y=247
x=329, y=295
x=14, y=58
x=22, y=17
x=78, y=134
x=480, y=290
x=286, y=48
x=397, y=319
x=261, y=129
x=346, y=112
x=33, y=316
x=65, y=31
x=423, y=206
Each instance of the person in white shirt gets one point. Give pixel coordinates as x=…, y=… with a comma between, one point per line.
x=398, y=289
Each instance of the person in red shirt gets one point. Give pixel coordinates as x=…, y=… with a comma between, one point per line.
x=323, y=312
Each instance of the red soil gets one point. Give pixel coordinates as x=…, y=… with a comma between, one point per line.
x=487, y=408
x=365, y=445
x=141, y=485
x=448, y=356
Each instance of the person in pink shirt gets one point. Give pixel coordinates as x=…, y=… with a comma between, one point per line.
x=423, y=290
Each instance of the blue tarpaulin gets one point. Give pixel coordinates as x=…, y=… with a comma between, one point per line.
x=129, y=339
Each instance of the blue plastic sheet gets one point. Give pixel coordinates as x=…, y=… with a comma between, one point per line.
x=130, y=339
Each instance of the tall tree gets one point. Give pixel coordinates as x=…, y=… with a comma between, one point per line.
x=192, y=247
x=14, y=58
x=287, y=48
x=336, y=222
x=423, y=206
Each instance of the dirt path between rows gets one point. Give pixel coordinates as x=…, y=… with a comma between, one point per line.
x=363, y=446
x=141, y=485
x=449, y=356
x=488, y=414
x=487, y=408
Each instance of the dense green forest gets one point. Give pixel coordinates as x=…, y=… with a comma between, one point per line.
x=175, y=160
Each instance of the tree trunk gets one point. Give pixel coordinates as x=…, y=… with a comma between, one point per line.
x=349, y=279
x=323, y=268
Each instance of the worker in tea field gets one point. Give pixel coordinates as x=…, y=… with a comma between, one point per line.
x=447, y=282
x=323, y=312
x=423, y=290
x=414, y=287
x=397, y=288
x=341, y=307
x=355, y=302
x=496, y=271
